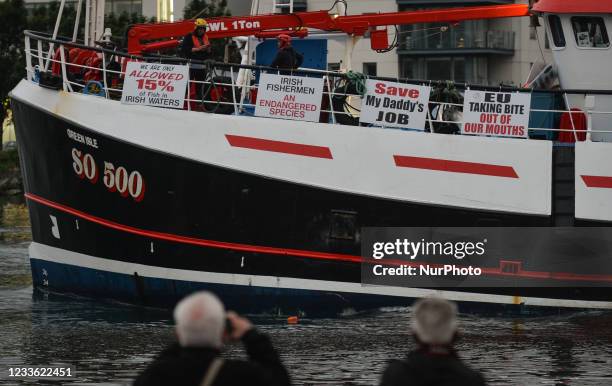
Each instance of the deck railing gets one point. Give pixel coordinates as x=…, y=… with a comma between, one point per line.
x=44, y=54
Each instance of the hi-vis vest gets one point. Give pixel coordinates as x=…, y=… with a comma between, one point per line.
x=196, y=41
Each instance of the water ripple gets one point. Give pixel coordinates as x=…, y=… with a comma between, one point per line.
x=111, y=343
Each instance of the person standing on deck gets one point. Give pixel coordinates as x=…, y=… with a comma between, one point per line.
x=435, y=361
x=195, y=46
x=287, y=58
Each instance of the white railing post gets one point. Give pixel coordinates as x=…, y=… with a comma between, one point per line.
x=246, y=83
x=429, y=119
x=589, y=106
x=329, y=96
x=65, y=84
x=589, y=126
x=29, y=70
x=569, y=108
x=40, y=54
x=104, y=74
x=189, y=87
x=233, y=91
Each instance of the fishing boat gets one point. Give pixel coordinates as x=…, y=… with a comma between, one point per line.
x=146, y=204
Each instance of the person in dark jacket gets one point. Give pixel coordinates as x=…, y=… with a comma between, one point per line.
x=435, y=361
x=202, y=325
x=196, y=46
x=287, y=58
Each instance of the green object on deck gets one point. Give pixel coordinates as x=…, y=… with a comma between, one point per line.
x=359, y=80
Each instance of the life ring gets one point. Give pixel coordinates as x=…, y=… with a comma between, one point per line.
x=93, y=87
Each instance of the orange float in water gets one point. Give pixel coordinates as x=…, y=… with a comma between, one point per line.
x=292, y=320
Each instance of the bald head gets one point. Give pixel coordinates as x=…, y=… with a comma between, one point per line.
x=434, y=321
x=200, y=320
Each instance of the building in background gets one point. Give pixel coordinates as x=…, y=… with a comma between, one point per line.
x=171, y=10
x=482, y=51
x=162, y=10
x=115, y=6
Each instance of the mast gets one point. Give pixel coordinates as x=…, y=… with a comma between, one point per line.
x=349, y=43
x=94, y=21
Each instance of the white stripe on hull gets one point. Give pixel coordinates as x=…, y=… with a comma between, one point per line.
x=57, y=255
x=363, y=157
x=593, y=160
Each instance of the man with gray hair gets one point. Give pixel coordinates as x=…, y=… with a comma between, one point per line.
x=202, y=327
x=435, y=361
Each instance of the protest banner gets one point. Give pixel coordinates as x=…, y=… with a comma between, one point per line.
x=393, y=104
x=155, y=84
x=289, y=97
x=502, y=114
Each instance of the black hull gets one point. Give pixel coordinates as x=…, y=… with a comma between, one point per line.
x=203, y=218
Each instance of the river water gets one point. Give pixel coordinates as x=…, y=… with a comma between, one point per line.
x=110, y=343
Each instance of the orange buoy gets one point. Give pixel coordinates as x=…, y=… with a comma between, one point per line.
x=292, y=320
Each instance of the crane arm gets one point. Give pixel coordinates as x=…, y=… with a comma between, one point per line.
x=153, y=37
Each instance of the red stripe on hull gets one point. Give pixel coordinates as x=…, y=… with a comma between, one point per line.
x=597, y=181
x=455, y=166
x=193, y=240
x=301, y=253
x=279, y=146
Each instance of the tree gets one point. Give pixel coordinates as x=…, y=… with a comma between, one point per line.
x=120, y=23
x=12, y=20
x=206, y=9
x=42, y=18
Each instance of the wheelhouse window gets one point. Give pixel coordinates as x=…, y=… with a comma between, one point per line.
x=369, y=69
x=590, y=32
x=556, y=30
x=119, y=7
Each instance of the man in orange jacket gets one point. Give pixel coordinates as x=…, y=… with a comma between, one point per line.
x=196, y=46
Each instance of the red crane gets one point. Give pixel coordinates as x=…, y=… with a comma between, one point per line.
x=157, y=37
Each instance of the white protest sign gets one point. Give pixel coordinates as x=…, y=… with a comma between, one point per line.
x=395, y=104
x=503, y=114
x=155, y=84
x=289, y=97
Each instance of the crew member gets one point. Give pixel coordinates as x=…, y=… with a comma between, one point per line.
x=196, y=46
x=287, y=58
x=202, y=326
x=435, y=361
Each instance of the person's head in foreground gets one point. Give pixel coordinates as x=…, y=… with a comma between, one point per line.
x=434, y=322
x=200, y=321
x=202, y=327
x=434, y=362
